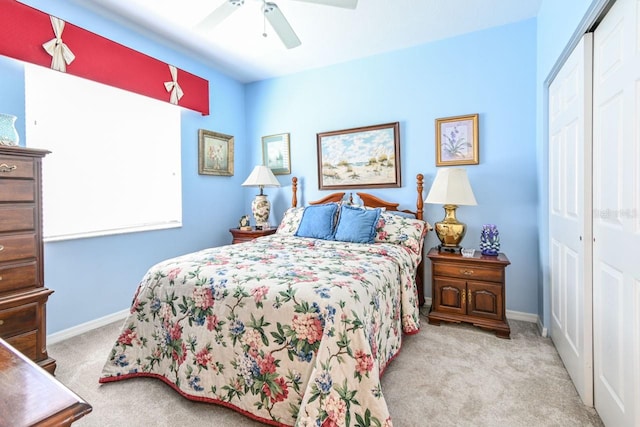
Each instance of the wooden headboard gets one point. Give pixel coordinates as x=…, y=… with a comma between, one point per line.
x=367, y=199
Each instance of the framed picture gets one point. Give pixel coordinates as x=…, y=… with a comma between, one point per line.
x=457, y=140
x=276, y=153
x=365, y=157
x=215, y=153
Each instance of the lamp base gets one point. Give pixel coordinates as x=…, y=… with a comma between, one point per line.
x=450, y=231
x=261, y=208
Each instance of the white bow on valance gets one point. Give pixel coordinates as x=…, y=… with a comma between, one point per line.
x=173, y=86
x=60, y=52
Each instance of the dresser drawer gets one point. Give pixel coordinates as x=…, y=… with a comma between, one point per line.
x=16, y=190
x=16, y=167
x=16, y=247
x=19, y=276
x=26, y=344
x=17, y=320
x=468, y=272
x=17, y=218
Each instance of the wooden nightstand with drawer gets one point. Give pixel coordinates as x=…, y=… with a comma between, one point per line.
x=23, y=296
x=241, y=236
x=469, y=290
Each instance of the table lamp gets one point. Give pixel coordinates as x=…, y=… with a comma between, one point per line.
x=261, y=176
x=451, y=188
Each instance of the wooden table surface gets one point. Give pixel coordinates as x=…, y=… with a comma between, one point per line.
x=30, y=396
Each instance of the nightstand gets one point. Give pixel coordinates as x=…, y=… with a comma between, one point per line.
x=470, y=290
x=240, y=236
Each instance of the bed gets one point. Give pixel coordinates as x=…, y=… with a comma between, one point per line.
x=295, y=328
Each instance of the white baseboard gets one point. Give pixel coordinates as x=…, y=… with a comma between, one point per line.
x=87, y=326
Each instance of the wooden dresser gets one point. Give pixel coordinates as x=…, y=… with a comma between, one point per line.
x=32, y=397
x=23, y=295
x=469, y=290
x=241, y=236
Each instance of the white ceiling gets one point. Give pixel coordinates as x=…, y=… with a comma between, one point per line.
x=329, y=35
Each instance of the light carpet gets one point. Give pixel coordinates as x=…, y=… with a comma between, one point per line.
x=448, y=375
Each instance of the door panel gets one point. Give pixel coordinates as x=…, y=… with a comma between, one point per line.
x=616, y=199
x=569, y=200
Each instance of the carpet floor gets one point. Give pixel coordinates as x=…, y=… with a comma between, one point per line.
x=448, y=375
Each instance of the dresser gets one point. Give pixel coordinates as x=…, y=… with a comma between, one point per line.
x=470, y=290
x=31, y=397
x=23, y=296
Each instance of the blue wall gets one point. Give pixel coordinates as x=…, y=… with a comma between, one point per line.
x=491, y=72
x=498, y=73
x=95, y=277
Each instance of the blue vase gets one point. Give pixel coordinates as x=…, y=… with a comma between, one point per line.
x=490, y=240
x=8, y=132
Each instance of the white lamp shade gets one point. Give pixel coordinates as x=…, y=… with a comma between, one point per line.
x=451, y=187
x=261, y=176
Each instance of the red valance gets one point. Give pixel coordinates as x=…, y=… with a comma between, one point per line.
x=25, y=30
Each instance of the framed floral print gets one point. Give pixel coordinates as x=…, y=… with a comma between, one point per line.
x=457, y=140
x=215, y=153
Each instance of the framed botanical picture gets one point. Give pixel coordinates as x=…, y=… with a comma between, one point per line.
x=215, y=153
x=457, y=140
x=364, y=157
x=276, y=153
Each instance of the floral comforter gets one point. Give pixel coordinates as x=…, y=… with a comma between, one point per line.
x=287, y=330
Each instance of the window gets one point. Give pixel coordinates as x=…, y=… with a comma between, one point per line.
x=115, y=161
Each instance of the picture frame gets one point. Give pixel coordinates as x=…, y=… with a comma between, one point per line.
x=276, y=153
x=457, y=140
x=215, y=153
x=363, y=157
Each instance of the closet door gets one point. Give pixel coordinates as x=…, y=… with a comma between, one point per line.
x=570, y=216
x=616, y=198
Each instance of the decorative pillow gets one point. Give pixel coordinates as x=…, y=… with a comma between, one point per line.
x=399, y=230
x=290, y=221
x=356, y=224
x=317, y=221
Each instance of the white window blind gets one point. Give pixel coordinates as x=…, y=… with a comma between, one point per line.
x=115, y=161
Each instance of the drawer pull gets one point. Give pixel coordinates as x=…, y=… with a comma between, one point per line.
x=466, y=272
x=1, y=322
x=1, y=248
x=6, y=168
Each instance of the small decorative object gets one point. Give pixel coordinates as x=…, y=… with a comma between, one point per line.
x=490, y=240
x=244, y=223
x=457, y=140
x=8, y=133
x=468, y=252
x=261, y=177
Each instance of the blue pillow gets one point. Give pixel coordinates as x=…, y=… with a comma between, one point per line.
x=317, y=221
x=357, y=225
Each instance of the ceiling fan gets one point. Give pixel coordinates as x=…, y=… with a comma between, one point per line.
x=272, y=13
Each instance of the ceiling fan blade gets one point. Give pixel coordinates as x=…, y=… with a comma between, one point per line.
x=281, y=26
x=347, y=4
x=221, y=13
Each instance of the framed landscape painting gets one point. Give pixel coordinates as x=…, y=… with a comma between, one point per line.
x=457, y=140
x=364, y=157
